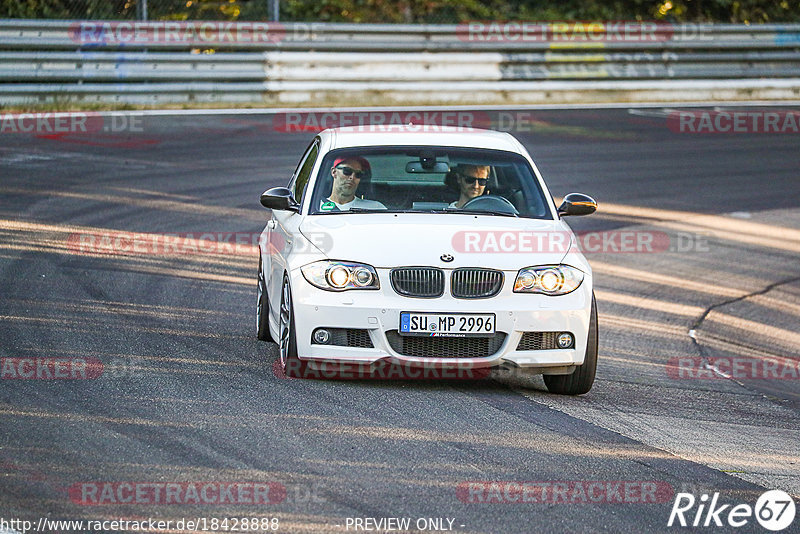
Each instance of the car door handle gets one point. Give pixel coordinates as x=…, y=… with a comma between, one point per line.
x=271, y=224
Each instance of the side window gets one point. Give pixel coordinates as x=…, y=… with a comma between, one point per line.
x=303, y=172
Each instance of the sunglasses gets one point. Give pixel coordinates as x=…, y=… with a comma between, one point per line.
x=347, y=171
x=471, y=180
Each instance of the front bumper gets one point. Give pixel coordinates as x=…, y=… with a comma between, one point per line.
x=378, y=311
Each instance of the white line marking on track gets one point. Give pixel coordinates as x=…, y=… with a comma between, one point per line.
x=543, y=107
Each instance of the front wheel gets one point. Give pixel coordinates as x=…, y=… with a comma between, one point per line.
x=581, y=380
x=293, y=367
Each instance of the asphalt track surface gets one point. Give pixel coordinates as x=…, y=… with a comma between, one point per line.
x=188, y=395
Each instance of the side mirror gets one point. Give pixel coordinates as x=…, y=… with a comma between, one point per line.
x=279, y=198
x=577, y=204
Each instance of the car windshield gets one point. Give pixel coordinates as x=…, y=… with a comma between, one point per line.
x=442, y=180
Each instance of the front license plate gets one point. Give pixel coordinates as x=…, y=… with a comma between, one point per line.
x=447, y=324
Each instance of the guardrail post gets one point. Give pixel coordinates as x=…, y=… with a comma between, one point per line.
x=274, y=10
x=141, y=9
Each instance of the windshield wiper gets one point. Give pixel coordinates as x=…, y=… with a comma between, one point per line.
x=352, y=210
x=482, y=212
x=363, y=210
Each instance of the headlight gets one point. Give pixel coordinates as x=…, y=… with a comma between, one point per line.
x=548, y=280
x=341, y=275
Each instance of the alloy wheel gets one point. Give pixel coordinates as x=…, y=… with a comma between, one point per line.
x=286, y=322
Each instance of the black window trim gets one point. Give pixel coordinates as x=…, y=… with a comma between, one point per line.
x=365, y=150
x=316, y=143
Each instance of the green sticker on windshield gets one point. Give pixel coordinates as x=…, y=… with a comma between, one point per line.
x=328, y=206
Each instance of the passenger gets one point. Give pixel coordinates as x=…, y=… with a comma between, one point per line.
x=348, y=173
x=469, y=180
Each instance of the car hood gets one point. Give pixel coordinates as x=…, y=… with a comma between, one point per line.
x=392, y=240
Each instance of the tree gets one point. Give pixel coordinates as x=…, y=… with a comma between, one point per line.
x=416, y=11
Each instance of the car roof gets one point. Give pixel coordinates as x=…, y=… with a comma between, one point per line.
x=415, y=135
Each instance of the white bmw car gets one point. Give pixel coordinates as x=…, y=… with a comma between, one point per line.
x=426, y=246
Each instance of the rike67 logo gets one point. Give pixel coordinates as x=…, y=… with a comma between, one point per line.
x=774, y=510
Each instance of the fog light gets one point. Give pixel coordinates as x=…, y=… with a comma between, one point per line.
x=565, y=340
x=322, y=336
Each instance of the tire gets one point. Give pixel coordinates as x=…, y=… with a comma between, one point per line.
x=293, y=367
x=581, y=380
x=262, y=308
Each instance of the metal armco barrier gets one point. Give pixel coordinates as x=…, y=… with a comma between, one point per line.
x=371, y=64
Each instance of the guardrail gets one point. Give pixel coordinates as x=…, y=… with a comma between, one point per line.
x=320, y=63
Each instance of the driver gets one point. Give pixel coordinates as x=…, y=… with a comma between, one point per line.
x=471, y=181
x=348, y=173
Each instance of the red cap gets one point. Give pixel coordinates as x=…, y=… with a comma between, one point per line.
x=364, y=163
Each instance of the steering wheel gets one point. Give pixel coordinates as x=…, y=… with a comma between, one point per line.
x=491, y=203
